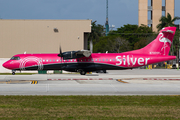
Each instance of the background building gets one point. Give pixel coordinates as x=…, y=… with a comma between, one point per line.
x=150, y=11
x=41, y=36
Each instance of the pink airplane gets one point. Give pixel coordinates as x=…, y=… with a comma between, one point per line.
x=83, y=61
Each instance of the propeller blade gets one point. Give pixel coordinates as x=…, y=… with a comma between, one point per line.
x=60, y=55
x=60, y=52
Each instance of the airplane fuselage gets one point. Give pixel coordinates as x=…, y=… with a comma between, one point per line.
x=97, y=61
x=84, y=61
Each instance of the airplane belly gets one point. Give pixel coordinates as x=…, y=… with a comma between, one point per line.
x=72, y=68
x=88, y=67
x=100, y=66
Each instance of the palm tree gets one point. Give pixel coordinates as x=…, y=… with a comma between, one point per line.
x=166, y=21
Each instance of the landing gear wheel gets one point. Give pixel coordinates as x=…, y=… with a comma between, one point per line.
x=13, y=72
x=83, y=72
x=104, y=71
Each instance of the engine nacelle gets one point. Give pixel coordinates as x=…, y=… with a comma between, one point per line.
x=71, y=55
x=74, y=54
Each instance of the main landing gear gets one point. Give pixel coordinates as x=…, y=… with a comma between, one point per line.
x=13, y=72
x=82, y=72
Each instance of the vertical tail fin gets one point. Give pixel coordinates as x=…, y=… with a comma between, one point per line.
x=161, y=45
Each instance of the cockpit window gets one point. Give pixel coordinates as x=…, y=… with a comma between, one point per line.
x=15, y=58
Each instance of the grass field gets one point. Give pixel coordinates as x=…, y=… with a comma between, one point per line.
x=90, y=107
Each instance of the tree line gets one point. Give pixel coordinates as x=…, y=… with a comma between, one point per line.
x=130, y=37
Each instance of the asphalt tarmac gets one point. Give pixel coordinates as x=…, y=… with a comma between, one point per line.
x=115, y=82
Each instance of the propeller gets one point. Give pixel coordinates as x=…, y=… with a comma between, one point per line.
x=60, y=52
x=60, y=55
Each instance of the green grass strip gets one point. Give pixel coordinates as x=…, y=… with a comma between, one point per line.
x=90, y=107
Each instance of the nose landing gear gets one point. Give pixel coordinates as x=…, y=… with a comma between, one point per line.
x=13, y=72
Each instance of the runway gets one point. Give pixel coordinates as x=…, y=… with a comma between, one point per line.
x=121, y=82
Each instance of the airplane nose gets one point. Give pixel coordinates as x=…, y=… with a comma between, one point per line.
x=5, y=65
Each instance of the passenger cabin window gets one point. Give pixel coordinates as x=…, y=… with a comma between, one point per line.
x=15, y=58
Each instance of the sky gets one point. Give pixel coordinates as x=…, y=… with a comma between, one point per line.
x=121, y=12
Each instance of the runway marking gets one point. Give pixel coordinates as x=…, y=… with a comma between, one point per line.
x=83, y=79
x=161, y=79
x=14, y=81
x=2, y=82
x=34, y=82
x=119, y=80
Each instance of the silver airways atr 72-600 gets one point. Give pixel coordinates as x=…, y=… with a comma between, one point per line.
x=83, y=61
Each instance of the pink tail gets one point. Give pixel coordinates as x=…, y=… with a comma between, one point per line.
x=161, y=45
